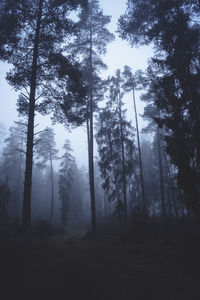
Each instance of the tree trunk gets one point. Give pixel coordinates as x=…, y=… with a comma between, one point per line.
x=90, y=142
x=169, y=187
x=30, y=132
x=140, y=155
x=172, y=191
x=52, y=189
x=123, y=166
x=161, y=174
x=19, y=186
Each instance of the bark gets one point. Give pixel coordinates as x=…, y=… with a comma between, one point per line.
x=173, y=194
x=161, y=175
x=30, y=131
x=91, y=142
x=169, y=187
x=123, y=166
x=20, y=179
x=52, y=189
x=140, y=155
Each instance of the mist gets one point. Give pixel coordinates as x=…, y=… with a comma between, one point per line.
x=99, y=149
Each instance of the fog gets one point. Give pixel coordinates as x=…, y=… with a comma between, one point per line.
x=119, y=53
x=99, y=149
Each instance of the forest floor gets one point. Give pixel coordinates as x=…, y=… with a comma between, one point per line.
x=143, y=265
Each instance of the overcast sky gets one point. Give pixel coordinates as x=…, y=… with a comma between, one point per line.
x=119, y=53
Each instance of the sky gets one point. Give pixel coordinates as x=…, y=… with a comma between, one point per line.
x=119, y=53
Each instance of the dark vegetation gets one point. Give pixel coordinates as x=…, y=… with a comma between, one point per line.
x=128, y=227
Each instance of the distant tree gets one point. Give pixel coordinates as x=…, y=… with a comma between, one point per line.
x=46, y=152
x=13, y=164
x=130, y=85
x=151, y=177
x=89, y=45
x=79, y=205
x=65, y=180
x=2, y=134
x=173, y=76
x=78, y=198
x=115, y=147
x=4, y=195
x=35, y=49
x=165, y=187
x=150, y=114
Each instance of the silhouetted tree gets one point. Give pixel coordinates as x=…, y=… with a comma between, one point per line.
x=89, y=45
x=173, y=76
x=4, y=195
x=65, y=180
x=115, y=146
x=13, y=164
x=130, y=85
x=46, y=152
x=35, y=51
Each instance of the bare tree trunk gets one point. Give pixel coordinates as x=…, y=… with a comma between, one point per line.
x=123, y=166
x=30, y=132
x=140, y=155
x=161, y=174
x=169, y=187
x=52, y=189
x=91, y=142
x=20, y=178
x=169, y=171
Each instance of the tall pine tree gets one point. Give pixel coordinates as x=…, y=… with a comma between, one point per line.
x=116, y=147
x=65, y=180
x=35, y=49
x=89, y=45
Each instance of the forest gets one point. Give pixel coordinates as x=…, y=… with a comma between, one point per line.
x=124, y=224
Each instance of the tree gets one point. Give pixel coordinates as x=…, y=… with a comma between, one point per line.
x=65, y=180
x=130, y=85
x=9, y=25
x=35, y=50
x=46, y=150
x=2, y=134
x=89, y=45
x=13, y=164
x=115, y=147
x=151, y=178
x=4, y=195
x=173, y=76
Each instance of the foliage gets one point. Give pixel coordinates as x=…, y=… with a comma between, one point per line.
x=45, y=146
x=89, y=44
x=55, y=26
x=65, y=179
x=115, y=133
x=173, y=76
x=13, y=164
x=14, y=146
x=91, y=38
x=38, y=60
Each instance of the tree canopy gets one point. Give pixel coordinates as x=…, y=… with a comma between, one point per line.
x=173, y=78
